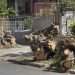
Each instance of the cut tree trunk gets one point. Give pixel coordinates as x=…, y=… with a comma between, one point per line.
x=40, y=55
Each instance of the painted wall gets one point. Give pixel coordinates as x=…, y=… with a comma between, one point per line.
x=11, y=3
x=66, y=20
x=42, y=22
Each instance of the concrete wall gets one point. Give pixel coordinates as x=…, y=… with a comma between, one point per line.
x=19, y=36
x=42, y=22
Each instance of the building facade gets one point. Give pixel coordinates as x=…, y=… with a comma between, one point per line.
x=35, y=7
x=29, y=6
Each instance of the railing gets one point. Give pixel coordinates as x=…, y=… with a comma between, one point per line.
x=16, y=23
x=24, y=23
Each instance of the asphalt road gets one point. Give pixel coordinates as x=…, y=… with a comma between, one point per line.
x=7, y=68
x=10, y=68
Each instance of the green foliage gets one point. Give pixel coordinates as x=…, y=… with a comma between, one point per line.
x=72, y=23
x=4, y=11
x=72, y=27
x=11, y=11
x=66, y=5
x=8, y=12
x=3, y=5
x=28, y=23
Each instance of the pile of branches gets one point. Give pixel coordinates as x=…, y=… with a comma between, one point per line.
x=44, y=47
x=42, y=43
x=65, y=54
x=7, y=41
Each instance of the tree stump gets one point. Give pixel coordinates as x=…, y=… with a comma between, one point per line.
x=40, y=54
x=67, y=64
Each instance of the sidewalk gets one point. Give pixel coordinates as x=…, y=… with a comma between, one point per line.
x=13, y=52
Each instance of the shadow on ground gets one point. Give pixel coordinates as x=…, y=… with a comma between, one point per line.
x=27, y=59
x=22, y=59
x=19, y=54
x=31, y=63
x=53, y=69
x=25, y=62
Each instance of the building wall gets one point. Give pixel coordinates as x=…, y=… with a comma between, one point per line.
x=33, y=6
x=42, y=22
x=47, y=8
x=36, y=8
x=67, y=19
x=19, y=36
x=11, y=3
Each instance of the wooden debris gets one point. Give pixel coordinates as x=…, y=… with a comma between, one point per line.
x=7, y=40
x=67, y=51
x=40, y=54
x=43, y=40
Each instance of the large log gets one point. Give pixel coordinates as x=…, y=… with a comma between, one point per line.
x=67, y=64
x=44, y=51
x=40, y=54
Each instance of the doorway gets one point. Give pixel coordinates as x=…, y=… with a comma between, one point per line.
x=27, y=7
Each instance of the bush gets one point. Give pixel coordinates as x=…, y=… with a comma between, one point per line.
x=8, y=12
x=72, y=27
x=28, y=23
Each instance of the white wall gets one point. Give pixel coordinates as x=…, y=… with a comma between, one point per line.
x=69, y=15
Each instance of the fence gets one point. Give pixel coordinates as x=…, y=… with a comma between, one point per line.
x=16, y=23
x=23, y=23
x=27, y=22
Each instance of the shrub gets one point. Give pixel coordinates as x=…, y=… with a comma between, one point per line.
x=72, y=27
x=28, y=22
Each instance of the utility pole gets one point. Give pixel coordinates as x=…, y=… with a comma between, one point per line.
x=60, y=12
x=60, y=18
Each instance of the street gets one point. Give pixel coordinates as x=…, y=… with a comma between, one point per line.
x=10, y=68
x=7, y=68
